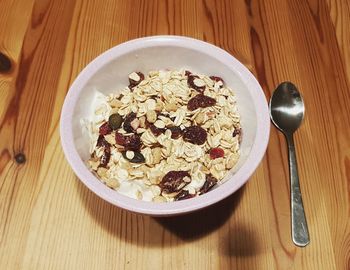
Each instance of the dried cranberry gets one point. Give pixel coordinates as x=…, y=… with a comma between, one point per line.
x=216, y=153
x=176, y=132
x=120, y=138
x=105, y=129
x=174, y=181
x=210, y=182
x=133, y=83
x=200, y=101
x=127, y=122
x=156, y=131
x=191, y=84
x=217, y=79
x=195, y=135
x=182, y=195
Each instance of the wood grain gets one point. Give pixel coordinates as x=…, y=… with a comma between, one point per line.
x=49, y=220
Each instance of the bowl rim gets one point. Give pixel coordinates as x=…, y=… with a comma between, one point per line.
x=178, y=207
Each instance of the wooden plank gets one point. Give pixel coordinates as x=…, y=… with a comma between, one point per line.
x=340, y=16
x=12, y=30
x=26, y=122
x=50, y=220
x=290, y=34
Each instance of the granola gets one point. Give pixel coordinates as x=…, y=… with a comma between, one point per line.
x=169, y=135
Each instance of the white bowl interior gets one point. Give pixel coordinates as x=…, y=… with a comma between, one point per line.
x=113, y=76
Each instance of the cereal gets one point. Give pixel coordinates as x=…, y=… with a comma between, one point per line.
x=168, y=135
x=151, y=116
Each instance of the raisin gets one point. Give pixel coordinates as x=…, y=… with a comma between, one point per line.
x=216, y=153
x=156, y=131
x=133, y=142
x=182, y=195
x=176, y=132
x=195, y=135
x=210, y=182
x=115, y=121
x=105, y=129
x=105, y=157
x=217, y=79
x=236, y=132
x=174, y=181
x=138, y=157
x=101, y=142
x=133, y=83
x=127, y=122
x=187, y=73
x=156, y=145
x=200, y=101
x=191, y=84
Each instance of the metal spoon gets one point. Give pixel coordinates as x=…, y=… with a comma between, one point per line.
x=287, y=112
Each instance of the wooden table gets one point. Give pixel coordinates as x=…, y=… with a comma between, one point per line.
x=49, y=220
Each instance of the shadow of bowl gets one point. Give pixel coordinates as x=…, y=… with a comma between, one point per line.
x=140, y=229
x=197, y=224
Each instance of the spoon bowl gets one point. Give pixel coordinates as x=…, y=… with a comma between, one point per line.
x=287, y=108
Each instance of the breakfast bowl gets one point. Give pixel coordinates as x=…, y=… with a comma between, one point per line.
x=110, y=71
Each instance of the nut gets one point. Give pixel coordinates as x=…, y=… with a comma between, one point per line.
x=157, y=154
x=151, y=116
x=110, y=138
x=159, y=105
x=170, y=107
x=135, y=123
x=142, y=120
x=200, y=118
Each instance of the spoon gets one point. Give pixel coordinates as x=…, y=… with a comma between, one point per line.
x=287, y=112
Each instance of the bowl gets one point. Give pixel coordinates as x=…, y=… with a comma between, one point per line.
x=109, y=72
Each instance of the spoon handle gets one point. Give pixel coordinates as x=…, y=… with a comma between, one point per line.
x=300, y=232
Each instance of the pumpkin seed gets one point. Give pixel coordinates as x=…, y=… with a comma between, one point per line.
x=115, y=121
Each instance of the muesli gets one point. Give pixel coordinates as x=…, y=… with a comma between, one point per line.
x=169, y=135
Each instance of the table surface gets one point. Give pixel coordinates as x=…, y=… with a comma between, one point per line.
x=50, y=220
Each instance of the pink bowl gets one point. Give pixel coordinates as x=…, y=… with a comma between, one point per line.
x=109, y=72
